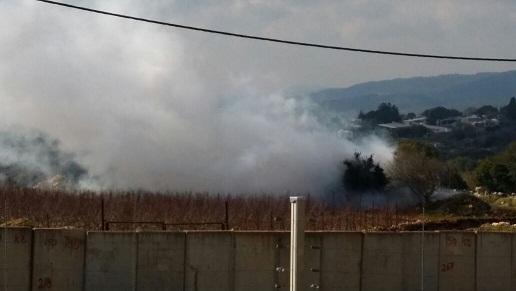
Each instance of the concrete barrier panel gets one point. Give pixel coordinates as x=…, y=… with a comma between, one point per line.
x=313, y=251
x=282, y=259
x=110, y=259
x=411, y=261
x=341, y=259
x=494, y=261
x=161, y=258
x=457, y=261
x=513, y=263
x=382, y=261
x=255, y=261
x=209, y=261
x=17, y=244
x=58, y=259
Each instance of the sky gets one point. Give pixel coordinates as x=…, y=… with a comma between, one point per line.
x=154, y=107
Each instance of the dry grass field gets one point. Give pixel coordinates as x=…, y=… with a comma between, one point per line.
x=180, y=211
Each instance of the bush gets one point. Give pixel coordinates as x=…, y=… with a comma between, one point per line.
x=363, y=174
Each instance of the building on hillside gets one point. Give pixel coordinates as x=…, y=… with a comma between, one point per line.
x=451, y=122
x=416, y=121
x=394, y=128
x=437, y=129
x=480, y=121
x=398, y=129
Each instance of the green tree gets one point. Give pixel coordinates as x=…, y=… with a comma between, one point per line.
x=416, y=165
x=363, y=174
x=385, y=113
x=410, y=115
x=509, y=111
x=498, y=173
x=438, y=113
x=487, y=110
x=462, y=164
x=451, y=178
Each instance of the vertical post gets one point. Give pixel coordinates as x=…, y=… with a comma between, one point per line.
x=103, y=225
x=271, y=221
x=227, y=215
x=333, y=202
x=297, y=242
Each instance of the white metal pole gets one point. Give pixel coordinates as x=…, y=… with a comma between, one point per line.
x=297, y=242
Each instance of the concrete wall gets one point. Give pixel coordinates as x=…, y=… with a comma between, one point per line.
x=494, y=262
x=457, y=261
x=257, y=262
x=56, y=259
x=15, y=258
x=161, y=261
x=209, y=261
x=341, y=261
x=111, y=261
x=411, y=261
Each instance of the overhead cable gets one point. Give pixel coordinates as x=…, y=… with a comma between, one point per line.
x=276, y=40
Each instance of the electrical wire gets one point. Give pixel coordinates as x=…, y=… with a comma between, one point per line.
x=393, y=53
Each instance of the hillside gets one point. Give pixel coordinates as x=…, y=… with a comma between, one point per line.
x=419, y=93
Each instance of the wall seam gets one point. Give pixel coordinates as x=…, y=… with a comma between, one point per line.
x=362, y=234
x=185, y=260
x=31, y=272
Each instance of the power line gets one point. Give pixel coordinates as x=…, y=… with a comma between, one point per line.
x=280, y=40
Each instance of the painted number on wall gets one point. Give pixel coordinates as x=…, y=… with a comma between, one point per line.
x=72, y=244
x=451, y=241
x=447, y=267
x=19, y=239
x=466, y=242
x=44, y=283
x=51, y=242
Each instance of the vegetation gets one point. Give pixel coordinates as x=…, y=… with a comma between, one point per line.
x=36, y=208
x=438, y=113
x=460, y=205
x=509, y=111
x=362, y=174
x=498, y=173
x=386, y=113
x=416, y=165
x=475, y=151
x=487, y=110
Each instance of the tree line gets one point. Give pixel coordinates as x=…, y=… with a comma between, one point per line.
x=448, y=160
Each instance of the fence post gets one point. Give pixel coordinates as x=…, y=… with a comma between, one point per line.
x=297, y=242
x=103, y=226
x=227, y=215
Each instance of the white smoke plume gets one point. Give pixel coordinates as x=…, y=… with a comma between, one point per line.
x=145, y=107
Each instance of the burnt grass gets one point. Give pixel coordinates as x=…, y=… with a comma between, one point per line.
x=130, y=210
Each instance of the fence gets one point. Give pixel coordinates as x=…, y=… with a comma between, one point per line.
x=188, y=211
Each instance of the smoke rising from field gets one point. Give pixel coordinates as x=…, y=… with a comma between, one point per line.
x=29, y=157
x=146, y=107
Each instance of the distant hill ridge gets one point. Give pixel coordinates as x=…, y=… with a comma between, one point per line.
x=420, y=93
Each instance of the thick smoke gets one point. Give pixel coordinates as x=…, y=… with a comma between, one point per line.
x=146, y=107
x=28, y=158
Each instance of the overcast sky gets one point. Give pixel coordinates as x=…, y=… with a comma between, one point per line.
x=162, y=108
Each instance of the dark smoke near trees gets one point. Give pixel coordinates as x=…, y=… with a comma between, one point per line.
x=28, y=158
